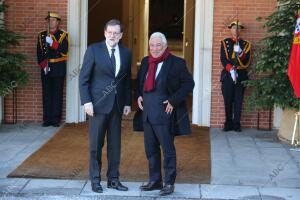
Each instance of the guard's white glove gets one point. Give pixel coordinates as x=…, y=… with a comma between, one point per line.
x=237, y=48
x=233, y=74
x=46, y=70
x=49, y=40
x=88, y=108
x=127, y=110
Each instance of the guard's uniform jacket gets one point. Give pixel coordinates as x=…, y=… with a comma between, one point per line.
x=56, y=55
x=55, y=58
x=233, y=92
x=229, y=58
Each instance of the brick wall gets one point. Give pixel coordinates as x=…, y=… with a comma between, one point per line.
x=248, y=11
x=27, y=18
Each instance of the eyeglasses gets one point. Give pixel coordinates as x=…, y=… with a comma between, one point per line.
x=112, y=33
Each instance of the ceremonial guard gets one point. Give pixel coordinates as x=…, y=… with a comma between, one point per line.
x=235, y=58
x=52, y=50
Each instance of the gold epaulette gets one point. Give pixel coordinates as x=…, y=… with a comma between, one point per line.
x=62, y=37
x=64, y=31
x=247, y=46
x=247, y=49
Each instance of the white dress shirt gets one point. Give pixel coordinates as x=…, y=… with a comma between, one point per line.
x=158, y=69
x=117, y=56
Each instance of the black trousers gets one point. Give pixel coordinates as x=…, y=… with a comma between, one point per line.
x=99, y=125
x=233, y=99
x=52, y=98
x=154, y=137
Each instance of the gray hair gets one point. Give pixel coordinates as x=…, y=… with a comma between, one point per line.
x=159, y=35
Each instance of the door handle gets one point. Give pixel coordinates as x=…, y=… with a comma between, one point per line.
x=186, y=43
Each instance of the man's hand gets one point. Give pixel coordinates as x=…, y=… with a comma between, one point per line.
x=169, y=107
x=49, y=40
x=88, y=108
x=127, y=110
x=140, y=102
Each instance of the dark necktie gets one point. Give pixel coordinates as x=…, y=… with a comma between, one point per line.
x=113, y=59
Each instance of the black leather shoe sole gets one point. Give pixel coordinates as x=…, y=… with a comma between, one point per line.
x=150, y=187
x=238, y=130
x=123, y=188
x=227, y=129
x=117, y=186
x=45, y=124
x=97, y=189
x=167, y=190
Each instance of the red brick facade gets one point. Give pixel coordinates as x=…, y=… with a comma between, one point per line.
x=27, y=17
x=248, y=11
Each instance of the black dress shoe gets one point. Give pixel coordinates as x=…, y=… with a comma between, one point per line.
x=225, y=129
x=46, y=124
x=151, y=186
x=55, y=125
x=116, y=185
x=238, y=129
x=167, y=189
x=228, y=126
x=97, y=188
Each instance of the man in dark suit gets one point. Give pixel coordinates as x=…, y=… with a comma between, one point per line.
x=235, y=58
x=163, y=83
x=105, y=92
x=52, y=50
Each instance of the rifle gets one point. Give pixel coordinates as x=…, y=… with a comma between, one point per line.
x=236, y=61
x=237, y=27
x=48, y=28
x=237, y=39
x=47, y=69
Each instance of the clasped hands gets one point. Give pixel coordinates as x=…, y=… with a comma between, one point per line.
x=168, y=110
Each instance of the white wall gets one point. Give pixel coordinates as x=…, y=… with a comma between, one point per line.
x=203, y=62
x=77, y=26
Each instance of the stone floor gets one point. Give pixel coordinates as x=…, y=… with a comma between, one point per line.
x=248, y=165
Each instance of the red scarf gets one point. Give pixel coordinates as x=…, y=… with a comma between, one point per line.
x=152, y=63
